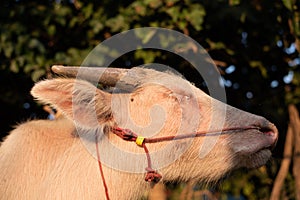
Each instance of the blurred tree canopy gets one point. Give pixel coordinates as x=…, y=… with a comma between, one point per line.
x=254, y=44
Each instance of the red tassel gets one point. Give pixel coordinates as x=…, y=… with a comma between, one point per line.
x=152, y=176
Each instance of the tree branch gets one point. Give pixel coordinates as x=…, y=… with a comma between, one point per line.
x=284, y=168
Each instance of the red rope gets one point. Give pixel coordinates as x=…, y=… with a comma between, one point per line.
x=152, y=176
x=128, y=135
x=100, y=169
x=198, y=134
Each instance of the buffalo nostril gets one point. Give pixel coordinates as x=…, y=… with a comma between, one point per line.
x=270, y=130
x=266, y=127
x=266, y=130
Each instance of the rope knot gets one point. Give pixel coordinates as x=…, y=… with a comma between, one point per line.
x=152, y=176
x=125, y=134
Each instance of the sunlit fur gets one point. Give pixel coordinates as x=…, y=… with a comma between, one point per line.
x=45, y=159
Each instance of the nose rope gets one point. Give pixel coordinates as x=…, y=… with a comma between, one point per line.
x=152, y=175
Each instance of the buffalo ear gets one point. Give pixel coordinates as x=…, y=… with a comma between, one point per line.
x=79, y=100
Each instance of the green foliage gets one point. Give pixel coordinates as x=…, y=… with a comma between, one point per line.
x=254, y=184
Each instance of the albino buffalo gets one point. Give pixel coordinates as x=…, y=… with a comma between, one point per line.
x=43, y=159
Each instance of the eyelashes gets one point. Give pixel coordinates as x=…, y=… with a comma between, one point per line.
x=180, y=98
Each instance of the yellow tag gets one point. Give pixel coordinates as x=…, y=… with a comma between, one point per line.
x=139, y=140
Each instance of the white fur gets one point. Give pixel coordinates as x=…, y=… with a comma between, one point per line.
x=44, y=159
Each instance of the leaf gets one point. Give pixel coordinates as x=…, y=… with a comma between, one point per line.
x=8, y=49
x=196, y=16
x=234, y=2
x=96, y=25
x=166, y=41
x=139, y=8
x=37, y=74
x=171, y=2
x=182, y=25
x=288, y=4
x=13, y=66
x=36, y=44
x=117, y=23
x=88, y=10
x=153, y=3
x=146, y=55
x=51, y=30
x=145, y=36
x=174, y=12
